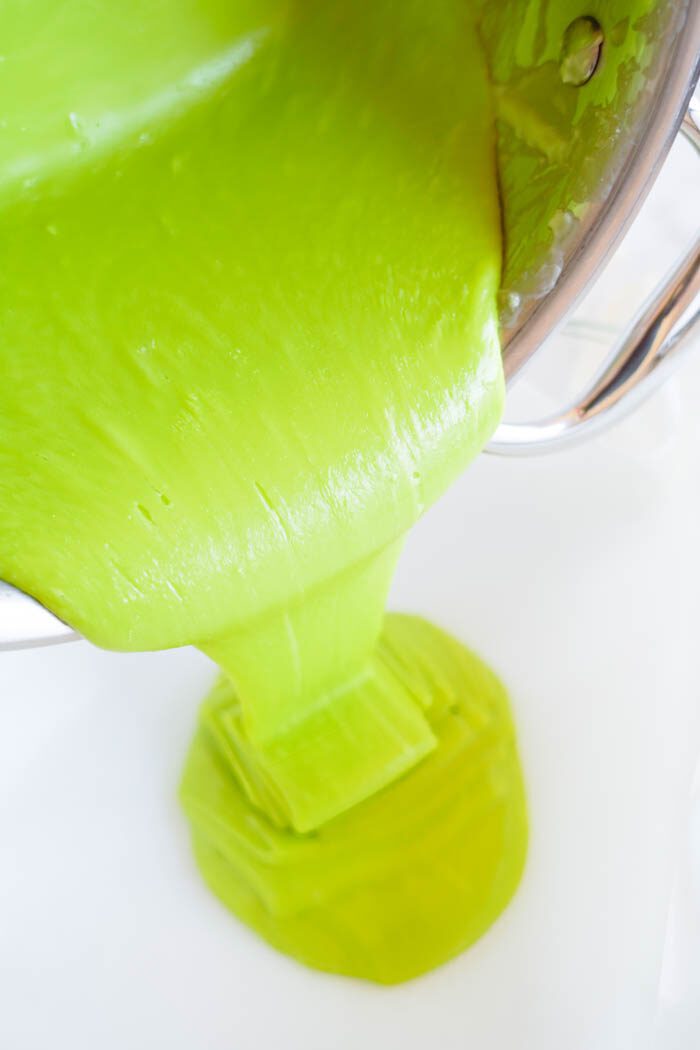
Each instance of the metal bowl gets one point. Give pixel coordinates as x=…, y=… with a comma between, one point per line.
x=586, y=196
x=589, y=101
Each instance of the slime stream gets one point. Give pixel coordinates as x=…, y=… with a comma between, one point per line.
x=249, y=258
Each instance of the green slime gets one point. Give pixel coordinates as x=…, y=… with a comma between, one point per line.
x=249, y=262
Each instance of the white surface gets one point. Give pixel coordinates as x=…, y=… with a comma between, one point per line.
x=578, y=577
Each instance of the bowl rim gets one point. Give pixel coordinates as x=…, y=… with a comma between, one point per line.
x=674, y=88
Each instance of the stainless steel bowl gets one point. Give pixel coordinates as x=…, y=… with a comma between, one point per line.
x=632, y=134
x=591, y=116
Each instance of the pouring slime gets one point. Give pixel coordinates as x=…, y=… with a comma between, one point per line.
x=248, y=283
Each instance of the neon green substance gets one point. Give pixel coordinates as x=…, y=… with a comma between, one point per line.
x=247, y=289
x=405, y=880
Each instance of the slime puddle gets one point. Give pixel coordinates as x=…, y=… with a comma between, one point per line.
x=249, y=334
x=402, y=881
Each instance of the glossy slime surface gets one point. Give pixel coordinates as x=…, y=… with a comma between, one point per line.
x=248, y=276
